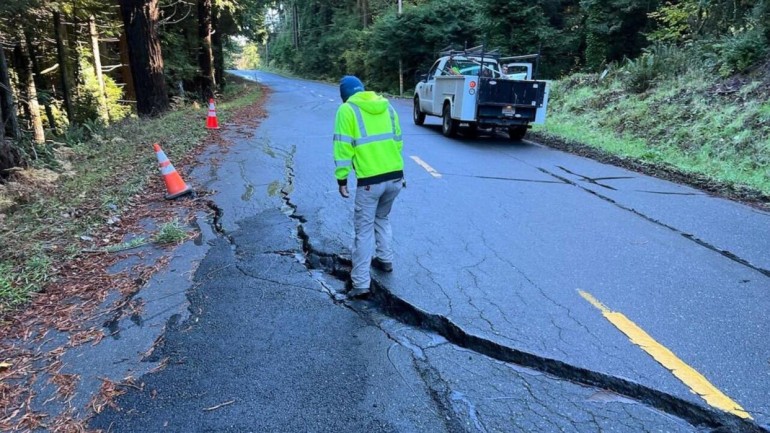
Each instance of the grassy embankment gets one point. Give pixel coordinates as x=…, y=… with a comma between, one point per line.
x=696, y=123
x=47, y=217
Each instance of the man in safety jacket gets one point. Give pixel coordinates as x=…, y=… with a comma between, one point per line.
x=367, y=140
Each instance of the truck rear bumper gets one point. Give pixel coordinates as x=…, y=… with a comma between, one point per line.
x=505, y=115
x=487, y=122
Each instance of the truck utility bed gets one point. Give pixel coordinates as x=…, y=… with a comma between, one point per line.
x=509, y=100
x=473, y=89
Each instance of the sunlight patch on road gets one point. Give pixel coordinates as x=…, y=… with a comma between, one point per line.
x=688, y=375
x=427, y=167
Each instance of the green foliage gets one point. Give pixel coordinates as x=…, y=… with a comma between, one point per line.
x=763, y=113
x=16, y=285
x=641, y=72
x=517, y=26
x=416, y=37
x=656, y=63
x=10, y=294
x=572, y=35
x=248, y=57
x=740, y=52
x=233, y=50
x=170, y=233
x=180, y=53
x=678, y=120
x=675, y=22
x=614, y=29
x=87, y=97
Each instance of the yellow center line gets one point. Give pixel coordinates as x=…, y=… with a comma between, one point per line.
x=688, y=375
x=427, y=167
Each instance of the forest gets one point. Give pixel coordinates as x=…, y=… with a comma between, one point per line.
x=69, y=67
x=370, y=37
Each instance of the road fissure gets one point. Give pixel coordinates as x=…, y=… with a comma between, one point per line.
x=688, y=236
x=389, y=304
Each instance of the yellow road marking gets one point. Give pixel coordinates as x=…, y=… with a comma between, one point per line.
x=688, y=375
x=427, y=168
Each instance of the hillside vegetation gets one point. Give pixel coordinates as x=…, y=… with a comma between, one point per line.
x=681, y=116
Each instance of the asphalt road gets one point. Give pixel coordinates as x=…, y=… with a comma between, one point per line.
x=522, y=275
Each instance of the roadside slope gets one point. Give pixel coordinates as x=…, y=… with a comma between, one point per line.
x=692, y=128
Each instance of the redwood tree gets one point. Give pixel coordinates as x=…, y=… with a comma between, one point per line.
x=7, y=106
x=103, y=110
x=219, y=54
x=140, y=19
x=205, y=55
x=28, y=88
x=64, y=67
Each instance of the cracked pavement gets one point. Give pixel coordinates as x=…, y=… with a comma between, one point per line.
x=489, y=262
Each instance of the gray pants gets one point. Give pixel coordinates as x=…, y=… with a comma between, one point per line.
x=373, y=232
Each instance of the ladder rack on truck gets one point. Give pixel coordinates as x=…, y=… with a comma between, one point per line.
x=474, y=87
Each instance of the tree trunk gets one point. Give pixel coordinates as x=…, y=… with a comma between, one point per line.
x=71, y=37
x=140, y=18
x=103, y=110
x=7, y=106
x=219, y=53
x=27, y=83
x=64, y=67
x=125, y=69
x=38, y=77
x=9, y=156
x=363, y=7
x=295, y=24
x=205, y=55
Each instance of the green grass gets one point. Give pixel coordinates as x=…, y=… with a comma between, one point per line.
x=170, y=233
x=110, y=170
x=680, y=123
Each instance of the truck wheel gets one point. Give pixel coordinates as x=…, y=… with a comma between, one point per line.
x=418, y=115
x=448, y=125
x=516, y=133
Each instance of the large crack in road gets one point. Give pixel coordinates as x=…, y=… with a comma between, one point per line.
x=728, y=254
x=385, y=302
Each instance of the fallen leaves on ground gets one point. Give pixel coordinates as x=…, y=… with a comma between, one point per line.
x=73, y=302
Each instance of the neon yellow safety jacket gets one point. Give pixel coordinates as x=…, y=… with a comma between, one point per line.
x=367, y=139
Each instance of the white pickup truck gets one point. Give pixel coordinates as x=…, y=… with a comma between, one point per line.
x=475, y=89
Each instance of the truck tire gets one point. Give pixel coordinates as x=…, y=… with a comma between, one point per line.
x=448, y=125
x=516, y=133
x=418, y=115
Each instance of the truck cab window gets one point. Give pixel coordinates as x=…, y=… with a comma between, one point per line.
x=433, y=71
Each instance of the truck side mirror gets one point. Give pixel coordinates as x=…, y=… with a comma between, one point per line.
x=420, y=77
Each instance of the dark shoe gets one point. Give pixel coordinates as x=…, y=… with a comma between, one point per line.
x=359, y=292
x=383, y=266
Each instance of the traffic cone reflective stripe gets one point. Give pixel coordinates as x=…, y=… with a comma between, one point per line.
x=211, y=120
x=175, y=186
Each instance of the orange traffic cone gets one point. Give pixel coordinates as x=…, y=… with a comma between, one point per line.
x=174, y=183
x=211, y=120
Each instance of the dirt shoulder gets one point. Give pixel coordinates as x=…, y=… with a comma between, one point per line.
x=94, y=286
